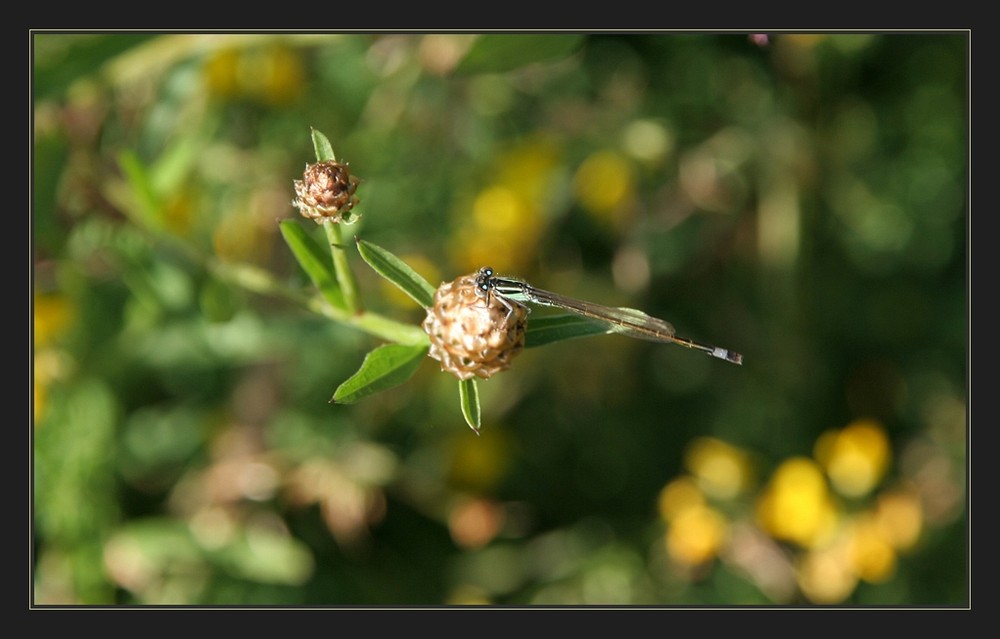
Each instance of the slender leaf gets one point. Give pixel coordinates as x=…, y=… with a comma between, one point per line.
x=387, y=366
x=468, y=392
x=324, y=151
x=313, y=261
x=546, y=329
x=398, y=272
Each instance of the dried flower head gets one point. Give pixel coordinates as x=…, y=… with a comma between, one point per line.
x=326, y=192
x=472, y=331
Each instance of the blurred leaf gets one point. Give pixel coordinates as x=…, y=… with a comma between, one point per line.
x=313, y=261
x=386, y=366
x=398, y=272
x=496, y=53
x=268, y=557
x=50, y=156
x=469, y=394
x=146, y=210
x=173, y=165
x=546, y=329
x=324, y=150
x=61, y=59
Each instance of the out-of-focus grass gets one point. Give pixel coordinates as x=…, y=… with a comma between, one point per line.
x=802, y=202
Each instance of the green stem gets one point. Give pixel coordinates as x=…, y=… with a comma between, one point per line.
x=259, y=281
x=342, y=267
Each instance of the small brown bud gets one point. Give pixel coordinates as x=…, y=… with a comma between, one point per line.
x=474, y=332
x=326, y=191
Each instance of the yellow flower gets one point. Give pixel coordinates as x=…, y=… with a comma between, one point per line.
x=679, y=495
x=221, y=73
x=855, y=458
x=503, y=231
x=275, y=75
x=825, y=577
x=722, y=470
x=507, y=216
x=272, y=75
x=696, y=534
x=871, y=556
x=796, y=505
x=53, y=313
x=604, y=184
x=899, y=517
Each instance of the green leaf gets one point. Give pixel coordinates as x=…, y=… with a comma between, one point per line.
x=387, y=366
x=313, y=261
x=172, y=167
x=499, y=52
x=324, y=151
x=468, y=392
x=398, y=272
x=147, y=211
x=546, y=329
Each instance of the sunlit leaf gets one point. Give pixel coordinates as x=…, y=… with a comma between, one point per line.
x=324, y=151
x=313, y=260
x=546, y=329
x=499, y=52
x=398, y=272
x=386, y=366
x=468, y=393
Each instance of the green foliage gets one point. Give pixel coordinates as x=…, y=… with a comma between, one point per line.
x=398, y=272
x=801, y=201
x=385, y=367
x=313, y=260
x=468, y=391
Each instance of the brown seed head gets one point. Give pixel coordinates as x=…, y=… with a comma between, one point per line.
x=326, y=191
x=472, y=334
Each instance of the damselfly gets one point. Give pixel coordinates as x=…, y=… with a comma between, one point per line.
x=626, y=321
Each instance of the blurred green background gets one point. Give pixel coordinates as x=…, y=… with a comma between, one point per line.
x=799, y=198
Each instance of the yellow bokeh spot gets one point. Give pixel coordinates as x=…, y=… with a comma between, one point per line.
x=872, y=558
x=52, y=315
x=39, y=395
x=696, y=534
x=221, y=73
x=604, y=183
x=678, y=496
x=479, y=463
x=900, y=518
x=855, y=458
x=825, y=577
x=274, y=75
x=530, y=168
x=502, y=231
x=239, y=238
x=498, y=209
x=179, y=212
x=796, y=505
x=722, y=470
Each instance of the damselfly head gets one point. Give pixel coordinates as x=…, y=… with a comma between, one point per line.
x=484, y=281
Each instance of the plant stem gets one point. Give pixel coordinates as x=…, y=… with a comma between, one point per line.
x=342, y=267
x=262, y=282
